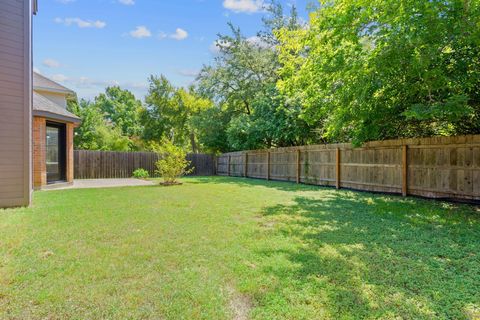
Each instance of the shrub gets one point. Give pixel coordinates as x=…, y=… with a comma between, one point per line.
x=141, y=173
x=173, y=163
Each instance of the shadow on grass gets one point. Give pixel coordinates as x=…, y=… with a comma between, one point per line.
x=249, y=182
x=374, y=256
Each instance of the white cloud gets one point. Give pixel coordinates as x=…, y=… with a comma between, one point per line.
x=248, y=6
x=254, y=41
x=127, y=2
x=140, y=32
x=86, y=82
x=189, y=73
x=162, y=35
x=36, y=70
x=258, y=42
x=89, y=88
x=81, y=23
x=51, y=63
x=59, y=77
x=179, y=34
x=215, y=46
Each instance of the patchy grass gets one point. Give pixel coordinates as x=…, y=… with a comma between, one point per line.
x=225, y=248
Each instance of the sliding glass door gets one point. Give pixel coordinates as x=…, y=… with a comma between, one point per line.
x=55, y=152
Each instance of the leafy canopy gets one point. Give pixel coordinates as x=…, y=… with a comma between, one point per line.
x=94, y=132
x=375, y=69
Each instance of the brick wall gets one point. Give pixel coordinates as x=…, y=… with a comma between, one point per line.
x=39, y=153
x=69, y=133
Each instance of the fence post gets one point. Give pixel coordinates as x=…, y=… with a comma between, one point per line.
x=228, y=167
x=337, y=168
x=404, y=170
x=298, y=165
x=245, y=169
x=268, y=165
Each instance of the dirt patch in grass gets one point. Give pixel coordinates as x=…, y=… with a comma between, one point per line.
x=240, y=305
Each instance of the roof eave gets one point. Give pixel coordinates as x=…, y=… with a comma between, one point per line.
x=55, y=116
x=45, y=89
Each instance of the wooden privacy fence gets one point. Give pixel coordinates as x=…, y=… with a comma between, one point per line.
x=439, y=167
x=111, y=164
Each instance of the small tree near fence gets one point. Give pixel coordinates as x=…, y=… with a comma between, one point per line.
x=173, y=163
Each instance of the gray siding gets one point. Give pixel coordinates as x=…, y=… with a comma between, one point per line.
x=15, y=102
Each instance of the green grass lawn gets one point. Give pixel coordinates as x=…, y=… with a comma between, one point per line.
x=225, y=248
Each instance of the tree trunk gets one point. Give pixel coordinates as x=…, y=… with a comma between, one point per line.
x=193, y=142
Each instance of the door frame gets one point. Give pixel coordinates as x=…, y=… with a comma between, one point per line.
x=62, y=150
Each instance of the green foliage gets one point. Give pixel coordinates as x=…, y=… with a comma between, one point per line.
x=382, y=69
x=141, y=173
x=161, y=113
x=95, y=133
x=252, y=113
x=110, y=138
x=173, y=163
x=122, y=109
x=169, y=113
x=276, y=122
x=242, y=70
x=211, y=126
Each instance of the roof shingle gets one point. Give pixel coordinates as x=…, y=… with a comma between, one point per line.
x=42, y=83
x=47, y=108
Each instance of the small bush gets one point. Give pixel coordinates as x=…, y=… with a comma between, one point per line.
x=173, y=163
x=141, y=174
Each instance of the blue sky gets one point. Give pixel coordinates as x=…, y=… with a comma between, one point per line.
x=90, y=44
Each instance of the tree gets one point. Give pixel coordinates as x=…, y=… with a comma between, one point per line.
x=121, y=108
x=242, y=81
x=159, y=116
x=368, y=70
x=211, y=129
x=94, y=133
x=242, y=69
x=169, y=113
x=190, y=104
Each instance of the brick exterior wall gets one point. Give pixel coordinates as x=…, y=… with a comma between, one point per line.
x=69, y=140
x=39, y=152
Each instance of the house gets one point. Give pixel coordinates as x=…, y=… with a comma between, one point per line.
x=15, y=101
x=19, y=99
x=52, y=133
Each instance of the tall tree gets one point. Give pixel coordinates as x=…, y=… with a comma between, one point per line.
x=374, y=69
x=121, y=108
x=159, y=116
x=190, y=104
x=169, y=113
x=94, y=132
x=242, y=80
x=242, y=69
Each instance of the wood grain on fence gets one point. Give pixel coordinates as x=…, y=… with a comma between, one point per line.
x=111, y=164
x=439, y=167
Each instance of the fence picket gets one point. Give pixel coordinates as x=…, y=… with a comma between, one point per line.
x=107, y=164
x=445, y=167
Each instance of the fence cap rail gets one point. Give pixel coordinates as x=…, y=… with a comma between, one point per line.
x=431, y=141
